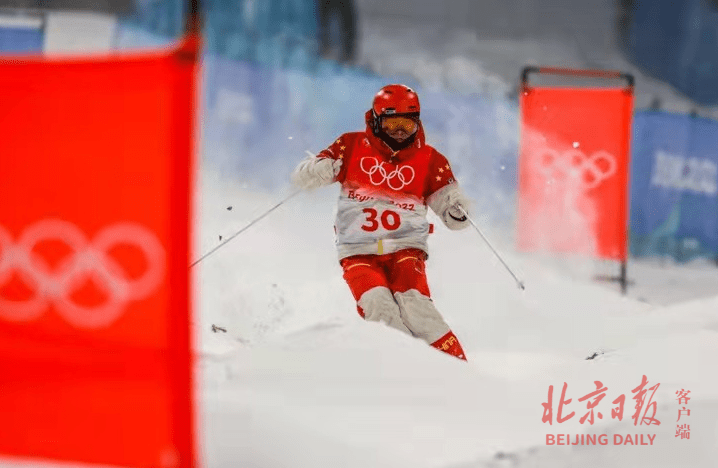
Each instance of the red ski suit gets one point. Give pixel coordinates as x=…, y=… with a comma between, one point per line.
x=382, y=229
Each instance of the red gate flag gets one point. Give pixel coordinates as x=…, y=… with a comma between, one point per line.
x=573, y=167
x=95, y=184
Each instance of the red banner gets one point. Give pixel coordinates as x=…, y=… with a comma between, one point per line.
x=95, y=184
x=573, y=170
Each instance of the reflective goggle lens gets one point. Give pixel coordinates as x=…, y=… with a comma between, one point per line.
x=407, y=124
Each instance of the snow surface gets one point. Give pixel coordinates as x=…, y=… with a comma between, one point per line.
x=299, y=380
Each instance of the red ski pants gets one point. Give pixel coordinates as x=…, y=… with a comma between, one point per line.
x=392, y=288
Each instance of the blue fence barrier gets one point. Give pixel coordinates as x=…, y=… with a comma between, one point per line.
x=271, y=32
x=676, y=42
x=674, y=187
x=21, y=36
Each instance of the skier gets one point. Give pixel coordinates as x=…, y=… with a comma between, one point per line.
x=388, y=177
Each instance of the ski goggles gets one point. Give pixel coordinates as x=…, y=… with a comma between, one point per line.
x=394, y=122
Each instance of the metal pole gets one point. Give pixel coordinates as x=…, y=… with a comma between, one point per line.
x=193, y=18
x=624, y=277
x=519, y=283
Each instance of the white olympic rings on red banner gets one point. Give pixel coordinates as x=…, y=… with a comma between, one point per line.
x=398, y=174
x=86, y=260
x=588, y=172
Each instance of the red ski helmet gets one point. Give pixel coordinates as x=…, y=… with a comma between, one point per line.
x=395, y=99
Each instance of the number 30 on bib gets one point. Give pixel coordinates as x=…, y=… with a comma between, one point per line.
x=389, y=220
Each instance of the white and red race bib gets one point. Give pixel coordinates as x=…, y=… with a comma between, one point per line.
x=380, y=200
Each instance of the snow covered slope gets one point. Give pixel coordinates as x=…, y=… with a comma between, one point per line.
x=299, y=380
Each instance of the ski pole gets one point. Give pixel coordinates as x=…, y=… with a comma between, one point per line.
x=519, y=283
x=245, y=228
x=252, y=223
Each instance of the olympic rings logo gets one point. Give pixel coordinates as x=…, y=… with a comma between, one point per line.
x=87, y=260
x=588, y=172
x=392, y=179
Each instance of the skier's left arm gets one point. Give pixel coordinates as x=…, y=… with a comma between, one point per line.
x=444, y=195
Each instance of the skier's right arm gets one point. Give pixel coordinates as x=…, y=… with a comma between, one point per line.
x=320, y=170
